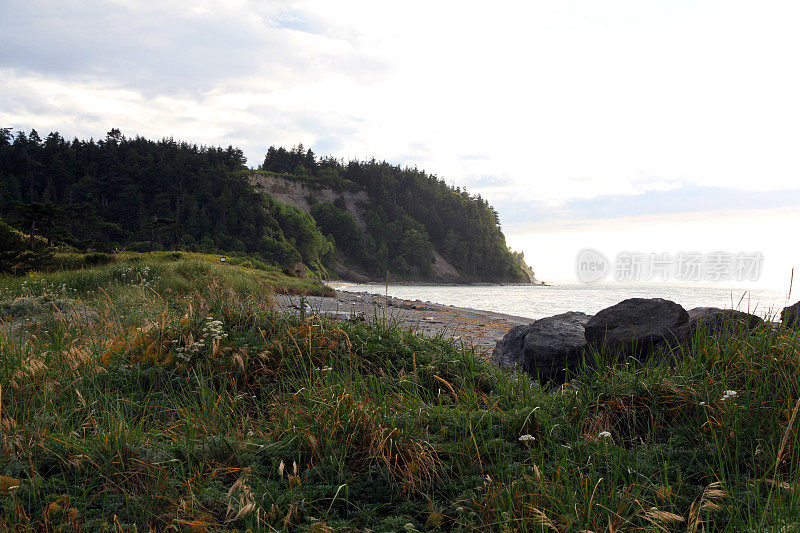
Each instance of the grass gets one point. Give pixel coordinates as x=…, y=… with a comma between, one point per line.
x=70, y=267
x=166, y=393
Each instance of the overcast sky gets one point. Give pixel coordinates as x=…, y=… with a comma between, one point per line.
x=630, y=124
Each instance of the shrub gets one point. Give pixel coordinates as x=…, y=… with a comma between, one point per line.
x=20, y=252
x=174, y=256
x=102, y=247
x=98, y=258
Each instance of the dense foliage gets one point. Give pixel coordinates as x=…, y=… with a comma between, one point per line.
x=138, y=194
x=20, y=252
x=411, y=213
x=339, y=224
x=141, y=195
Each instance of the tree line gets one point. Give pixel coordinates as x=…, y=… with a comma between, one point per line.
x=139, y=194
x=410, y=214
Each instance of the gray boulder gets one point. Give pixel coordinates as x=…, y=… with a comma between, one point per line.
x=635, y=327
x=545, y=349
x=790, y=316
x=711, y=321
x=715, y=320
x=508, y=350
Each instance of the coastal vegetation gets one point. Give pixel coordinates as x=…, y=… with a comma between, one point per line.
x=20, y=252
x=142, y=195
x=166, y=391
x=410, y=214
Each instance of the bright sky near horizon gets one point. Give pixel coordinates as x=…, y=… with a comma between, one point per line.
x=619, y=124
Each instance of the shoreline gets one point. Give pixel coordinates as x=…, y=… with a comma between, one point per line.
x=382, y=283
x=476, y=328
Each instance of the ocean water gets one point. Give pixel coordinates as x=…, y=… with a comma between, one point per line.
x=536, y=301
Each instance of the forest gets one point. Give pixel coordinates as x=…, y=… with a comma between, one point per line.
x=410, y=214
x=142, y=195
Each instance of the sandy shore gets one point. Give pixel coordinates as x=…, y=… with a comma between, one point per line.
x=476, y=329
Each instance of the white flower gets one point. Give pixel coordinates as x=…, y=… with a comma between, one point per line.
x=702, y=403
x=604, y=435
x=728, y=394
x=526, y=438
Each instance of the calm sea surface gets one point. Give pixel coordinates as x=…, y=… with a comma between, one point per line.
x=541, y=301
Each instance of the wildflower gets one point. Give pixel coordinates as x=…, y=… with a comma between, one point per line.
x=604, y=435
x=702, y=403
x=526, y=438
x=728, y=394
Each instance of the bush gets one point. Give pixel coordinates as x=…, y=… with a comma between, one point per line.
x=97, y=258
x=20, y=252
x=138, y=246
x=102, y=247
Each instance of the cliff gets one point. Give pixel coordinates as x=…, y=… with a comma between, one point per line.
x=304, y=195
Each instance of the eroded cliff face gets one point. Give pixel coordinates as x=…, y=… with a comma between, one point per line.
x=298, y=193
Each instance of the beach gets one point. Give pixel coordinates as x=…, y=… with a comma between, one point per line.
x=474, y=328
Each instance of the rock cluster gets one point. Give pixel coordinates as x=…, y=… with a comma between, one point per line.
x=790, y=316
x=634, y=327
x=633, y=330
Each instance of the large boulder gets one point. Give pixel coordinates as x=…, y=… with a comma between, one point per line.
x=790, y=316
x=635, y=327
x=508, y=350
x=711, y=321
x=715, y=320
x=545, y=349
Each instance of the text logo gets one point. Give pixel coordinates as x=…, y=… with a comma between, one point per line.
x=591, y=265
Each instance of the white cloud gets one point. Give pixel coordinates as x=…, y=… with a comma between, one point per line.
x=560, y=101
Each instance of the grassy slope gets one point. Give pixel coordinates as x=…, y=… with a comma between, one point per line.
x=256, y=271
x=178, y=397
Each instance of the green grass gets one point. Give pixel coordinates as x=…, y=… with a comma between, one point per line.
x=67, y=267
x=178, y=398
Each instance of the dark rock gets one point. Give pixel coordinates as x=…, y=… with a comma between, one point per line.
x=545, y=349
x=554, y=345
x=790, y=316
x=715, y=320
x=508, y=351
x=710, y=321
x=634, y=327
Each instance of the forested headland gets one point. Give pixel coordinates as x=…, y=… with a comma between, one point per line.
x=141, y=195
